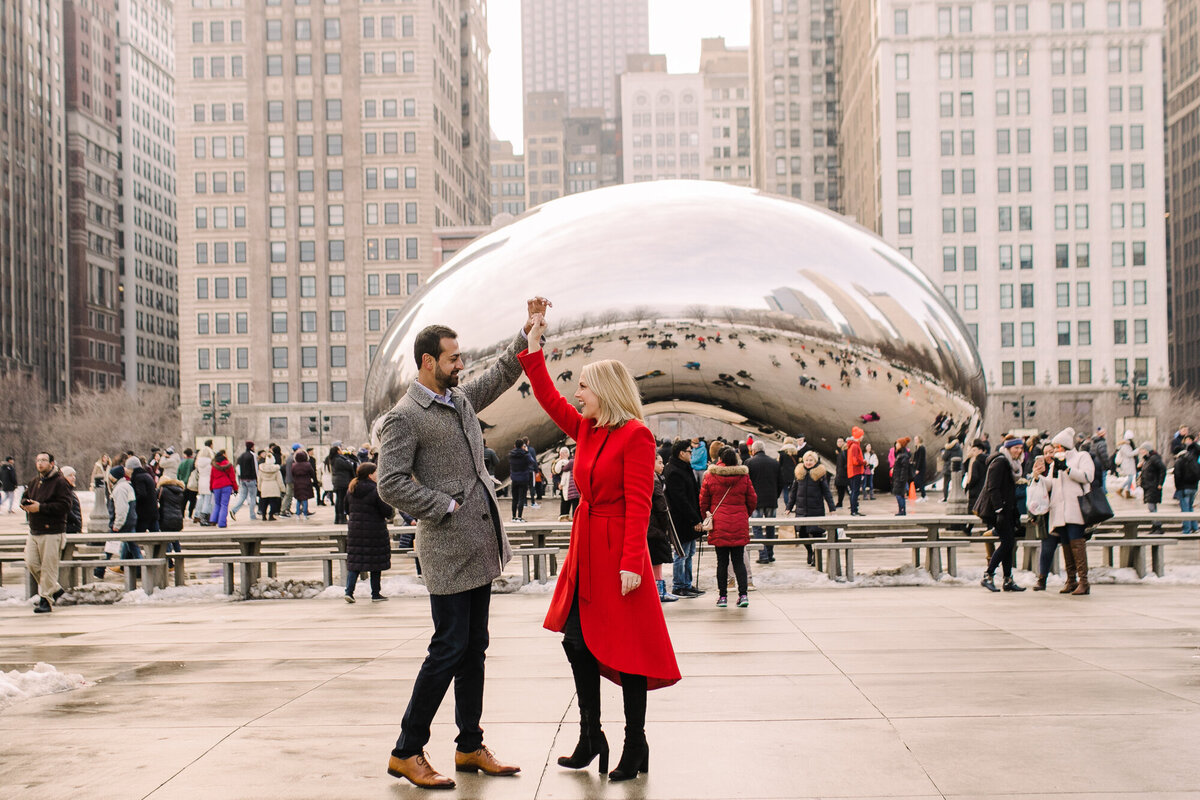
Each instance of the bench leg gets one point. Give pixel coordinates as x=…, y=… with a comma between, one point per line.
x=148, y=579
x=935, y=562
x=130, y=577
x=1158, y=559
x=271, y=569
x=553, y=564
x=952, y=561
x=180, y=572
x=849, y=565
x=227, y=570
x=916, y=557
x=1128, y=559
x=247, y=579
x=524, y=570
x=1139, y=561
x=541, y=568
x=327, y=572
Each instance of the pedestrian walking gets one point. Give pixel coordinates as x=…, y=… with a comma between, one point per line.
x=247, y=474
x=304, y=477
x=728, y=495
x=809, y=496
x=368, y=546
x=901, y=475
x=46, y=503
x=764, y=475
x=997, y=507
x=223, y=481
x=8, y=484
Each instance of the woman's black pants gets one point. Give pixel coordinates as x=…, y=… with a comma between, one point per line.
x=738, y=556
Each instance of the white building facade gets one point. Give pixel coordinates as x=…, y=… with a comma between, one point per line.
x=1014, y=151
x=661, y=117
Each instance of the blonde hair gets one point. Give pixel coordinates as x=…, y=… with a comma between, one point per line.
x=616, y=390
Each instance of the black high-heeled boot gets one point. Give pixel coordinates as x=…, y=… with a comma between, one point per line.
x=592, y=741
x=635, y=755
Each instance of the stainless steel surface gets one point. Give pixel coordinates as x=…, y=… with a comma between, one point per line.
x=819, y=321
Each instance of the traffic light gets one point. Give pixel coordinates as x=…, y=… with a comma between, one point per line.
x=312, y=425
x=1031, y=409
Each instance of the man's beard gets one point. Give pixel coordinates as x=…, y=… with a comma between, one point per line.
x=445, y=380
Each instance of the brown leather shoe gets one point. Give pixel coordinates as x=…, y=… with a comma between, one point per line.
x=483, y=760
x=418, y=771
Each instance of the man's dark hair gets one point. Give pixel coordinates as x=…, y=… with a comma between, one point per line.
x=187, y=451
x=47, y=455
x=679, y=446
x=519, y=443
x=429, y=341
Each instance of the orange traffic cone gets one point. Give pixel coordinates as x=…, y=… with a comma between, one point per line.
x=912, y=491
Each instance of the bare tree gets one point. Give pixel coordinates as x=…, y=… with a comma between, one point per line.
x=112, y=421
x=24, y=408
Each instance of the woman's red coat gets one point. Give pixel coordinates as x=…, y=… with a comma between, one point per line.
x=731, y=515
x=626, y=633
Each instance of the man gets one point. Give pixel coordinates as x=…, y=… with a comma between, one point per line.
x=75, y=515
x=520, y=472
x=431, y=467
x=856, y=467
x=683, y=501
x=247, y=468
x=8, y=483
x=841, y=479
x=1187, y=478
x=764, y=476
x=919, y=466
x=287, y=481
x=184, y=473
x=46, y=502
x=1100, y=451
x=145, y=489
x=342, y=469
x=699, y=457
x=490, y=460
x=1177, y=443
x=987, y=444
x=951, y=451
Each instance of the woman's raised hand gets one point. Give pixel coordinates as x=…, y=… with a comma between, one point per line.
x=535, y=329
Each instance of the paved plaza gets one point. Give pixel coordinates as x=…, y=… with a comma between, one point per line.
x=898, y=692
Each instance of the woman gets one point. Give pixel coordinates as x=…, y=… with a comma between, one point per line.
x=342, y=472
x=204, y=496
x=809, y=497
x=170, y=504
x=872, y=462
x=729, y=497
x=998, y=508
x=1126, y=460
x=604, y=602
x=901, y=475
x=1069, y=476
x=1049, y=537
x=787, y=468
x=270, y=488
x=841, y=480
x=658, y=533
x=223, y=482
x=100, y=470
x=303, y=479
x=368, y=548
x=566, y=484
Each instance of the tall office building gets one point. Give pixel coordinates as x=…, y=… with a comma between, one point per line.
x=545, y=121
x=1183, y=171
x=591, y=149
x=95, y=286
x=1014, y=151
x=725, y=136
x=794, y=53
x=320, y=147
x=147, y=261
x=579, y=47
x=33, y=261
x=508, y=179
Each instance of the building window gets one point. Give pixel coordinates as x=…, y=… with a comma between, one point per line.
x=279, y=392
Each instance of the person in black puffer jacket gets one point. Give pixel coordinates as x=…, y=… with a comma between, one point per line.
x=170, y=504
x=341, y=468
x=808, y=497
x=658, y=532
x=146, y=492
x=368, y=548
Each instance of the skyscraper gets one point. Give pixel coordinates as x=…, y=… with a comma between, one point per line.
x=342, y=136
x=579, y=47
x=1183, y=172
x=148, y=263
x=1014, y=153
x=794, y=52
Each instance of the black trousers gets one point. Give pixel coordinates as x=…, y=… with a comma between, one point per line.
x=567, y=507
x=738, y=556
x=189, y=502
x=1005, y=553
x=519, y=492
x=456, y=653
x=339, y=505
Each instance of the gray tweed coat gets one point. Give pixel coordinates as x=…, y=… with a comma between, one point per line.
x=429, y=454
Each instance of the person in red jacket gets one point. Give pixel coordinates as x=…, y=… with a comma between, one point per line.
x=856, y=468
x=223, y=483
x=728, y=495
x=605, y=602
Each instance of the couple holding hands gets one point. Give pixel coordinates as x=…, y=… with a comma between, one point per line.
x=605, y=602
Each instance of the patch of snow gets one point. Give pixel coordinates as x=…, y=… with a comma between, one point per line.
x=533, y=587
x=390, y=586
x=290, y=589
x=179, y=595
x=42, y=679
x=11, y=596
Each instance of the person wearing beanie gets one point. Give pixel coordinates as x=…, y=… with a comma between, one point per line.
x=997, y=507
x=1154, y=473
x=901, y=475
x=856, y=466
x=1126, y=463
x=1068, y=477
x=145, y=489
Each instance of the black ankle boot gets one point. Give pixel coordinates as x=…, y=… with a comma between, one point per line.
x=635, y=755
x=1011, y=586
x=592, y=741
x=988, y=583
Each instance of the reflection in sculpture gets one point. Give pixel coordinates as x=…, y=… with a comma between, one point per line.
x=725, y=302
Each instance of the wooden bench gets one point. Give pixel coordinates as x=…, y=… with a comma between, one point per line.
x=933, y=547
x=1137, y=549
x=247, y=564
x=10, y=558
x=544, y=560
x=76, y=571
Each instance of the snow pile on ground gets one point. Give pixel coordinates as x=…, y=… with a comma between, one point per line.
x=12, y=596
x=93, y=594
x=290, y=589
x=42, y=679
x=179, y=595
x=390, y=586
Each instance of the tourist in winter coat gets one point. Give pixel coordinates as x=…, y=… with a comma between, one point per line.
x=46, y=503
x=976, y=468
x=147, y=494
x=901, y=475
x=764, y=475
x=788, y=461
x=1154, y=474
x=170, y=464
x=951, y=451
x=919, y=467
x=605, y=601
x=1187, y=478
x=566, y=485
x=203, y=473
x=368, y=547
x=728, y=495
x=809, y=496
x=1126, y=460
x=223, y=481
x=270, y=488
x=841, y=479
x=997, y=506
x=342, y=471
x=170, y=504
x=1069, y=476
x=658, y=533
x=872, y=464
x=75, y=515
x=521, y=466
x=856, y=465
x=683, y=500
x=303, y=479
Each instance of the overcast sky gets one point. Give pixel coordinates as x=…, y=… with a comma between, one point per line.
x=676, y=28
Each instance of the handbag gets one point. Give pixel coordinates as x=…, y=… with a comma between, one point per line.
x=1094, y=507
x=706, y=524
